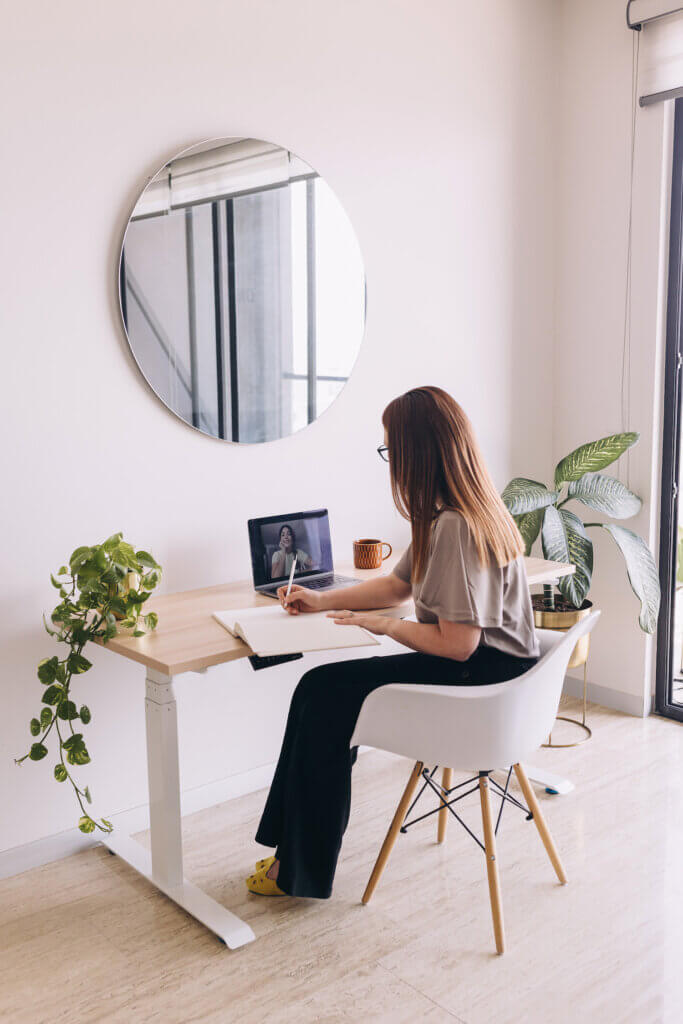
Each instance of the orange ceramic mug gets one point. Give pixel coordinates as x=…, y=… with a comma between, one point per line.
x=367, y=553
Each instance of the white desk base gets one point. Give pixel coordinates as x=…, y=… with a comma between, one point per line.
x=164, y=865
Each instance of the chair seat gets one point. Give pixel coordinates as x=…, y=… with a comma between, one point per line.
x=485, y=727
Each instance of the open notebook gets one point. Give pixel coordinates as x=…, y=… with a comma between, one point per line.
x=271, y=631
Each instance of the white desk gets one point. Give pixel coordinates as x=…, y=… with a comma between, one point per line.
x=188, y=639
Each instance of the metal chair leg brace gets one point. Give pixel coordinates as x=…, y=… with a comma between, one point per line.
x=428, y=776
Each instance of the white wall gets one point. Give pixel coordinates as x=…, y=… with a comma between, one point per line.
x=595, y=62
x=434, y=123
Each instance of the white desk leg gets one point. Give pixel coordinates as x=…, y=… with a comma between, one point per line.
x=163, y=775
x=164, y=865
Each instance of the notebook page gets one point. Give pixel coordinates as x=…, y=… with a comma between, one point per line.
x=272, y=631
x=231, y=616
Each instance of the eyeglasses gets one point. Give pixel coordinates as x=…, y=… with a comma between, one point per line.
x=383, y=453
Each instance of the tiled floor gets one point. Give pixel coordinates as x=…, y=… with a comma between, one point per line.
x=86, y=939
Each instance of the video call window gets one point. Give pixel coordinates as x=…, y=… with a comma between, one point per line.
x=303, y=540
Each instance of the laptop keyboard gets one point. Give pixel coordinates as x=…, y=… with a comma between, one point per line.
x=330, y=582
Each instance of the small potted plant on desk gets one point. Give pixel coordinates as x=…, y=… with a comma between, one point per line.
x=538, y=509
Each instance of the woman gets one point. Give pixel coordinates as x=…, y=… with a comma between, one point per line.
x=287, y=552
x=475, y=625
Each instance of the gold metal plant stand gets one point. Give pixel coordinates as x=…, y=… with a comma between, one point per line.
x=574, y=721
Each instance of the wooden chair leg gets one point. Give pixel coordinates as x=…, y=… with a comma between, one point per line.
x=446, y=782
x=393, y=832
x=535, y=809
x=492, y=864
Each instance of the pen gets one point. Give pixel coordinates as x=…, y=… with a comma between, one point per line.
x=291, y=577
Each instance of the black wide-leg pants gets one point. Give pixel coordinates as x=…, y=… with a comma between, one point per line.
x=308, y=806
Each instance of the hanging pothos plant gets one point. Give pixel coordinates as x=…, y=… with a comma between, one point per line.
x=537, y=509
x=103, y=587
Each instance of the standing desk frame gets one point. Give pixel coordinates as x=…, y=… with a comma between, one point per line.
x=188, y=639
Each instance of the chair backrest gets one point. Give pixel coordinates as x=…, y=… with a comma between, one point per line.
x=539, y=691
x=474, y=727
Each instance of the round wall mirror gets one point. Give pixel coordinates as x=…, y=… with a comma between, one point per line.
x=242, y=290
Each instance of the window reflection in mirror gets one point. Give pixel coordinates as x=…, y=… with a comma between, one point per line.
x=242, y=290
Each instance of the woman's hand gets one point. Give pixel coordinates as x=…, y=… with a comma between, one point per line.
x=375, y=623
x=300, y=600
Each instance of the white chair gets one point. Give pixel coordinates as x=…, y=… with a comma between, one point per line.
x=471, y=728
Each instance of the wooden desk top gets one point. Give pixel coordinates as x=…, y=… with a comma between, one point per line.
x=188, y=638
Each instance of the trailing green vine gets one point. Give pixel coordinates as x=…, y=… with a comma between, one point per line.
x=102, y=589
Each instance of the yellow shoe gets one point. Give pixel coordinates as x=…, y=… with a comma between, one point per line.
x=264, y=864
x=260, y=885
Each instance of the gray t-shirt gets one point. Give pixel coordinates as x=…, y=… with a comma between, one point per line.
x=457, y=588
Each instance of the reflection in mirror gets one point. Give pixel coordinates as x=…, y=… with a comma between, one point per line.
x=242, y=290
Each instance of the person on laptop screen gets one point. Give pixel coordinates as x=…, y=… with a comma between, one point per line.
x=288, y=552
x=465, y=571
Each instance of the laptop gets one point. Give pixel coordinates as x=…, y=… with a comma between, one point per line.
x=304, y=537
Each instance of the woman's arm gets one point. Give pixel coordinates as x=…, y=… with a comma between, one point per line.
x=304, y=560
x=384, y=592
x=445, y=639
x=278, y=563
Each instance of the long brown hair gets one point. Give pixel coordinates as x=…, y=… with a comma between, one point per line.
x=435, y=464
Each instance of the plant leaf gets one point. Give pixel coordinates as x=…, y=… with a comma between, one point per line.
x=144, y=558
x=79, y=557
x=118, y=606
x=37, y=752
x=85, y=715
x=529, y=525
x=593, y=456
x=76, y=663
x=605, y=494
x=564, y=539
x=34, y=726
x=151, y=620
x=76, y=751
x=86, y=794
x=66, y=710
x=522, y=495
x=124, y=555
x=45, y=717
x=107, y=825
x=52, y=632
x=79, y=757
x=642, y=573
x=86, y=824
x=47, y=670
x=60, y=773
x=52, y=695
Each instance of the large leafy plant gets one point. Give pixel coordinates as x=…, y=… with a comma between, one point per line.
x=101, y=588
x=538, y=509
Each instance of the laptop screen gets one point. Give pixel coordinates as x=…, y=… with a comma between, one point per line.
x=277, y=541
